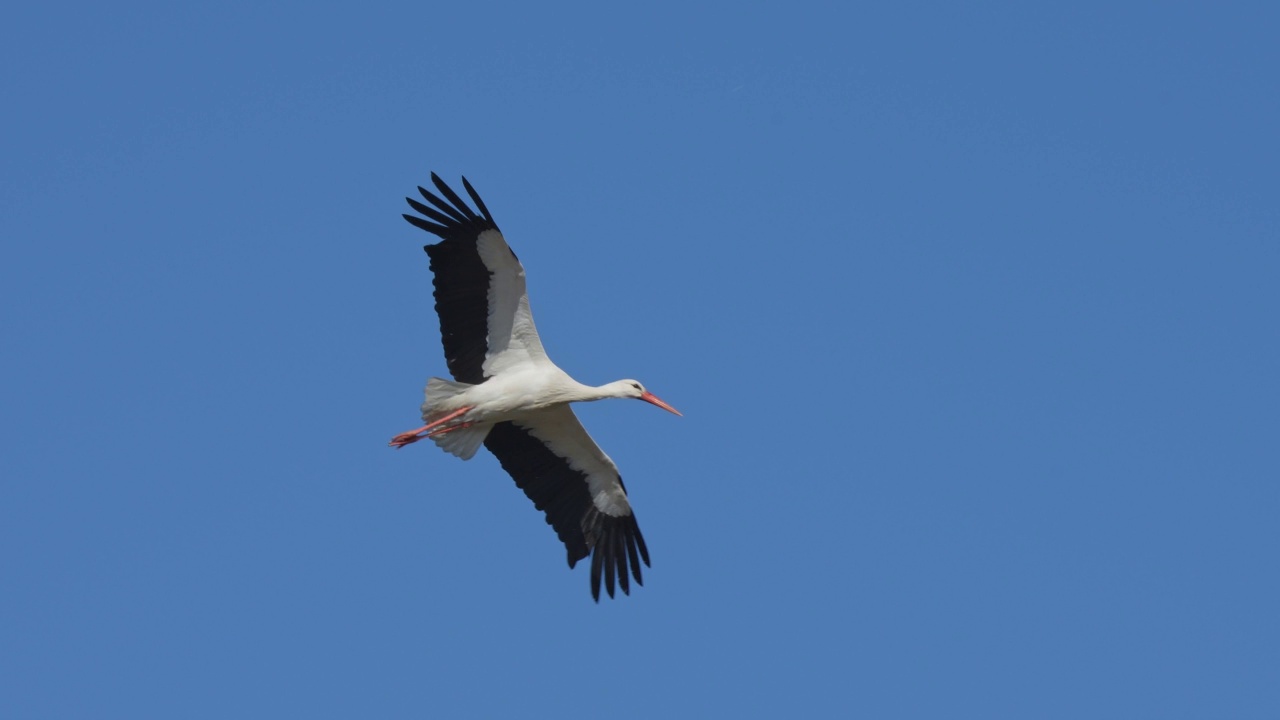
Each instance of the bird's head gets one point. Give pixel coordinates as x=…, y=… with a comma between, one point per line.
x=633, y=389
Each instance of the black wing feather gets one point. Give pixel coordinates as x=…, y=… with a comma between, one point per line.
x=453, y=197
x=442, y=220
x=607, y=547
x=476, y=197
x=561, y=493
x=419, y=222
x=461, y=279
x=444, y=206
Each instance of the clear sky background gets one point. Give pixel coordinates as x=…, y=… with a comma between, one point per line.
x=971, y=311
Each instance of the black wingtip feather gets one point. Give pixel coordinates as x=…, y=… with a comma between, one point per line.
x=644, y=551
x=432, y=213
x=461, y=219
x=458, y=217
x=479, y=203
x=616, y=547
x=635, y=560
x=595, y=577
x=619, y=551
x=423, y=224
x=609, y=560
x=453, y=198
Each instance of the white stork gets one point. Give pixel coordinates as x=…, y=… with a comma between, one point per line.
x=509, y=396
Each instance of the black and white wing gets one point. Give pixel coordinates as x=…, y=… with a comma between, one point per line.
x=480, y=294
x=568, y=477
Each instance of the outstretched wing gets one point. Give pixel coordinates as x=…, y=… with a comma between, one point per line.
x=485, y=322
x=568, y=477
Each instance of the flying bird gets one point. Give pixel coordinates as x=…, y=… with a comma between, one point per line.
x=507, y=395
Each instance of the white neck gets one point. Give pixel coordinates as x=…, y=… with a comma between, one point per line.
x=587, y=393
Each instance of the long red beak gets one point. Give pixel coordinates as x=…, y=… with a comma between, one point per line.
x=651, y=398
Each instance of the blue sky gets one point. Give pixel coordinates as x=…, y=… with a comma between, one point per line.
x=971, y=312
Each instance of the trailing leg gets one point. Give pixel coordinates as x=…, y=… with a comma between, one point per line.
x=413, y=436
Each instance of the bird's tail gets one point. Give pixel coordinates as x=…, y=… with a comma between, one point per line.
x=442, y=399
x=441, y=395
x=464, y=441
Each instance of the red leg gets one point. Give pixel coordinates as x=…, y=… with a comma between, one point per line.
x=403, y=439
x=449, y=428
x=413, y=436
